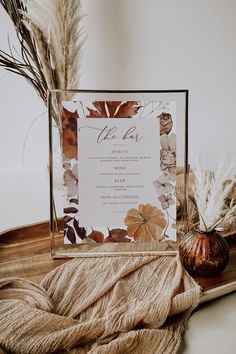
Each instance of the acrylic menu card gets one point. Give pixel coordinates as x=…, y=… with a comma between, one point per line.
x=119, y=169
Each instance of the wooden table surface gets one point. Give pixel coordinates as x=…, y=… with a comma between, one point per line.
x=24, y=252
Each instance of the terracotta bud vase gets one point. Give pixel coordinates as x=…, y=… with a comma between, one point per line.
x=204, y=253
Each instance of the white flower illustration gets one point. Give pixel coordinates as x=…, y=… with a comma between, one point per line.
x=168, y=155
x=163, y=185
x=166, y=201
x=71, y=180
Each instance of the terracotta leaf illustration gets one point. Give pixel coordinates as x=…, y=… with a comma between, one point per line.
x=117, y=235
x=69, y=132
x=145, y=223
x=97, y=236
x=113, y=109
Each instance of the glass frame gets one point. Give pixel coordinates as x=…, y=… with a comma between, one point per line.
x=57, y=247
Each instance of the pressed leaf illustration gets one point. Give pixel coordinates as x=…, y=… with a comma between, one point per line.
x=74, y=200
x=71, y=228
x=113, y=109
x=117, y=235
x=166, y=123
x=70, y=210
x=70, y=234
x=97, y=236
x=145, y=223
x=67, y=218
x=81, y=232
x=69, y=132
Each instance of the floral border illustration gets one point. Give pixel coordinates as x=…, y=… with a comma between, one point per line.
x=146, y=222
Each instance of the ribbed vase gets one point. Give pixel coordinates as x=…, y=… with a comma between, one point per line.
x=204, y=253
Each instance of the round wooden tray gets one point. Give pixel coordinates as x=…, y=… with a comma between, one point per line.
x=24, y=252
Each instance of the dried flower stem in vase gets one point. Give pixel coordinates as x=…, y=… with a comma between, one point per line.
x=204, y=251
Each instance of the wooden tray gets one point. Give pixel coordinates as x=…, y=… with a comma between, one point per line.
x=24, y=252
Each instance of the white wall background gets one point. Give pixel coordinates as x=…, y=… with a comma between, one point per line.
x=139, y=44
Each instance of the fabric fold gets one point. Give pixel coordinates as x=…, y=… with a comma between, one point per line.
x=99, y=305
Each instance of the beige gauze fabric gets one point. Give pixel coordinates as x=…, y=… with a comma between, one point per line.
x=99, y=306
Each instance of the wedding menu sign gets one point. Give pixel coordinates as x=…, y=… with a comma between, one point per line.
x=124, y=159
x=119, y=170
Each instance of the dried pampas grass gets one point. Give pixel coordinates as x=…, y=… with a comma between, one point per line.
x=50, y=36
x=54, y=24
x=211, y=192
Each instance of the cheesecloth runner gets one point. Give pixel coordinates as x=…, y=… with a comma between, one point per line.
x=99, y=306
